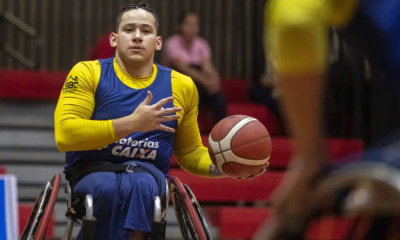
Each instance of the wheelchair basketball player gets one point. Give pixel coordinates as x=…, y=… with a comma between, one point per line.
x=119, y=120
x=296, y=37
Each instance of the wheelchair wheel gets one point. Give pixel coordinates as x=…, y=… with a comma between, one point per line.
x=42, y=210
x=364, y=192
x=190, y=217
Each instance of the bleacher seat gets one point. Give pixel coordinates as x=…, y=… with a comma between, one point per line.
x=338, y=148
x=242, y=223
x=235, y=90
x=39, y=85
x=260, y=112
x=228, y=189
x=2, y=170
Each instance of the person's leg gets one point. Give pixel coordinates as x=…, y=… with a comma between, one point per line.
x=262, y=95
x=101, y=186
x=218, y=106
x=133, y=209
x=216, y=102
x=203, y=95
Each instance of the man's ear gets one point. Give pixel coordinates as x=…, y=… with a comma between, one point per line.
x=159, y=43
x=113, y=40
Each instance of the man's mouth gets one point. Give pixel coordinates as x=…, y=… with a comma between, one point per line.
x=136, y=49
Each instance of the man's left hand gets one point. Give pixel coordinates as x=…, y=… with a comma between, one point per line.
x=262, y=171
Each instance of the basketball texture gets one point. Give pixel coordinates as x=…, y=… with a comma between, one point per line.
x=240, y=146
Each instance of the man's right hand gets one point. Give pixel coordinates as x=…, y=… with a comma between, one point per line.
x=147, y=117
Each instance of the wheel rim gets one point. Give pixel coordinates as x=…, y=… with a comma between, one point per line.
x=37, y=212
x=199, y=211
x=185, y=222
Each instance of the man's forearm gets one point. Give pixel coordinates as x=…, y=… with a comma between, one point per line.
x=84, y=134
x=123, y=126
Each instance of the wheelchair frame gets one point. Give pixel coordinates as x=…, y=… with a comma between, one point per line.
x=189, y=209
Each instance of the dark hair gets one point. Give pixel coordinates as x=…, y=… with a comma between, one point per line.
x=183, y=16
x=144, y=6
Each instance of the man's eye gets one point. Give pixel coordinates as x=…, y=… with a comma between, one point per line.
x=128, y=30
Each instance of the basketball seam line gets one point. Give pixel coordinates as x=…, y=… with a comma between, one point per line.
x=231, y=149
x=230, y=142
x=219, y=144
x=249, y=143
x=236, y=156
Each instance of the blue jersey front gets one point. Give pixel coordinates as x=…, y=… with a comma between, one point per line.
x=113, y=99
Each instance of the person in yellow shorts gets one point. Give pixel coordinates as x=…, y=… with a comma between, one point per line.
x=128, y=111
x=296, y=38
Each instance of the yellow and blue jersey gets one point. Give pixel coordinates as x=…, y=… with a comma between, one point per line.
x=96, y=92
x=115, y=100
x=296, y=32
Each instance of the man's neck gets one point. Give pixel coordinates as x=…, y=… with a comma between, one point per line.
x=136, y=69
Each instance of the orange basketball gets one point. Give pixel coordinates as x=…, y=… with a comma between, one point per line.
x=240, y=146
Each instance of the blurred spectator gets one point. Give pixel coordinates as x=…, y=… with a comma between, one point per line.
x=263, y=90
x=102, y=49
x=190, y=54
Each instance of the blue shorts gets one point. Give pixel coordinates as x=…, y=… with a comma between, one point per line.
x=123, y=202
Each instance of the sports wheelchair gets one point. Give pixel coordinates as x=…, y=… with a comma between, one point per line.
x=188, y=212
x=361, y=191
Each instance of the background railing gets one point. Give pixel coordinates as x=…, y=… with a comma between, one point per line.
x=7, y=17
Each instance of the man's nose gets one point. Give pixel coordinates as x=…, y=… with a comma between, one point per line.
x=137, y=37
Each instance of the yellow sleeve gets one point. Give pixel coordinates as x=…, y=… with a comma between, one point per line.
x=296, y=35
x=296, y=32
x=192, y=156
x=73, y=127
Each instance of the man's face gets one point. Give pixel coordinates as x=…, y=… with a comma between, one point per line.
x=190, y=26
x=137, y=38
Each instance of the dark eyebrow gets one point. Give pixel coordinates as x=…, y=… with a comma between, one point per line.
x=141, y=25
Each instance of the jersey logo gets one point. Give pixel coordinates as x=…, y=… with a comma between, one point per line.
x=70, y=85
x=132, y=148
